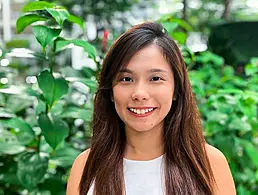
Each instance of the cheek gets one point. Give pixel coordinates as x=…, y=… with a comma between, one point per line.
x=120, y=100
x=164, y=95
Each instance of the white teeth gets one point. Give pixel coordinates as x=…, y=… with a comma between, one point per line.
x=141, y=111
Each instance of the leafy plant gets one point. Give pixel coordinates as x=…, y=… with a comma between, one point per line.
x=39, y=138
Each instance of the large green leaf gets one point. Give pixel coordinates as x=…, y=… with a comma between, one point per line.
x=60, y=15
x=53, y=89
x=26, y=20
x=54, y=130
x=45, y=35
x=65, y=156
x=54, y=185
x=61, y=88
x=25, y=134
x=62, y=44
x=76, y=20
x=75, y=112
x=37, y=5
x=46, y=83
x=9, y=143
x=31, y=168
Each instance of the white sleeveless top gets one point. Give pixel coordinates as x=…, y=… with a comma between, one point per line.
x=143, y=177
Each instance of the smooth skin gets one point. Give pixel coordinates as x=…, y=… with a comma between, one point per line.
x=148, y=81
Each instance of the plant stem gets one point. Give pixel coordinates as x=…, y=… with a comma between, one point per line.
x=38, y=144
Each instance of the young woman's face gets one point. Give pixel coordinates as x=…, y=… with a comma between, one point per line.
x=144, y=90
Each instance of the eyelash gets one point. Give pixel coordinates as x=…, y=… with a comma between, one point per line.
x=122, y=79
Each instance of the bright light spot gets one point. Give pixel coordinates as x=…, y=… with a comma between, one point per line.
x=21, y=53
x=27, y=79
x=179, y=6
x=92, y=28
x=81, y=87
x=4, y=81
x=1, y=53
x=195, y=4
x=78, y=122
x=4, y=62
x=98, y=58
x=196, y=42
x=33, y=79
x=252, y=3
x=71, y=45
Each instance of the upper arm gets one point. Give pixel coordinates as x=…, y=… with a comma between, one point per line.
x=221, y=171
x=76, y=173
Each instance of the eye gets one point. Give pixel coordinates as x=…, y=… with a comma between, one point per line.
x=156, y=79
x=126, y=79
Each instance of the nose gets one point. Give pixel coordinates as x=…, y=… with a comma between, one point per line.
x=140, y=93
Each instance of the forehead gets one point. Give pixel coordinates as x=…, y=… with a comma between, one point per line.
x=150, y=57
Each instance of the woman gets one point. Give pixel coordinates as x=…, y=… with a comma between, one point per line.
x=147, y=135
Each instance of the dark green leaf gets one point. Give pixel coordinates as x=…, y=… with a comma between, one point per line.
x=54, y=130
x=61, y=88
x=31, y=169
x=25, y=134
x=55, y=184
x=45, y=35
x=37, y=5
x=26, y=20
x=46, y=83
x=76, y=20
x=62, y=44
x=60, y=15
x=9, y=143
x=65, y=156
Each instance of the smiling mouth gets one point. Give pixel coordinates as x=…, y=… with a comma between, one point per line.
x=141, y=111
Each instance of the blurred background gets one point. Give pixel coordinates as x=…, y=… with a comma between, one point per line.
x=50, y=56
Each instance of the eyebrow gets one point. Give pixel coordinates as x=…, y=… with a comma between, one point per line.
x=151, y=70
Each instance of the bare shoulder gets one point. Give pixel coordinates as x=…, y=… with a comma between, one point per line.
x=222, y=174
x=76, y=173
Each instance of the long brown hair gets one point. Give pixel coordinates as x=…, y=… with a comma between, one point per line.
x=187, y=168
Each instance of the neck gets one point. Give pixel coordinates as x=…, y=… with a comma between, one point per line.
x=144, y=145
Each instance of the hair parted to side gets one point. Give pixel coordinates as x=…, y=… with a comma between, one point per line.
x=187, y=168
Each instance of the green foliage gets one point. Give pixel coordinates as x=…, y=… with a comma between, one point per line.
x=26, y=20
x=54, y=131
x=43, y=127
x=53, y=89
x=38, y=137
x=228, y=105
x=31, y=169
